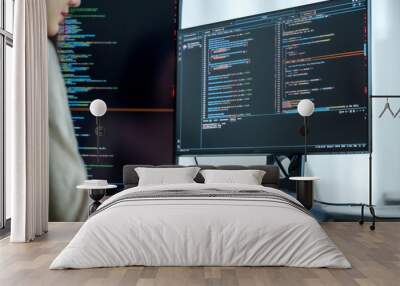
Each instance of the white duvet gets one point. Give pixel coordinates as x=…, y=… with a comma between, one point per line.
x=200, y=232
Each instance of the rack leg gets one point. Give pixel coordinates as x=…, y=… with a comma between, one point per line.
x=362, y=215
x=372, y=211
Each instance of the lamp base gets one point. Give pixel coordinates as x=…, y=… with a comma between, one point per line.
x=96, y=195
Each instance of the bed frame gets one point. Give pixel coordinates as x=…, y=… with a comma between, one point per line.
x=270, y=179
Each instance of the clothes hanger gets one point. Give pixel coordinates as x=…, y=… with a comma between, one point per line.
x=397, y=113
x=387, y=107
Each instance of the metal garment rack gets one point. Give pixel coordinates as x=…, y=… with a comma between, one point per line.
x=370, y=158
x=370, y=205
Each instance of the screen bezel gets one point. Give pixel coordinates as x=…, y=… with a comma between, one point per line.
x=277, y=150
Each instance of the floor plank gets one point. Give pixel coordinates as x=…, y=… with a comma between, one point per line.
x=375, y=257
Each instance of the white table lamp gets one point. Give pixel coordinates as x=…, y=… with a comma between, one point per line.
x=305, y=108
x=98, y=108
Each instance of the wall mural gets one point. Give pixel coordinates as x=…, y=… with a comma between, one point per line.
x=125, y=56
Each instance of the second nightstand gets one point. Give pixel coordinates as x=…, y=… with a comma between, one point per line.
x=305, y=190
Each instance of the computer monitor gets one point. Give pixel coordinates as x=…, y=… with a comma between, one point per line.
x=239, y=82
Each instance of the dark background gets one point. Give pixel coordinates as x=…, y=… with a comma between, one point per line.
x=128, y=48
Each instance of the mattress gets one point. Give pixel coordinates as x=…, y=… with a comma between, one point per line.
x=201, y=225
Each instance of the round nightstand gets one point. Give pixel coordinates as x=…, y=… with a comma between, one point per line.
x=96, y=193
x=305, y=190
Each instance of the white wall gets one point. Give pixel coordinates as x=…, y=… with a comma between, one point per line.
x=344, y=178
x=201, y=12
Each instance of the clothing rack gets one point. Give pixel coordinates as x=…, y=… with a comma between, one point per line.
x=387, y=97
x=370, y=205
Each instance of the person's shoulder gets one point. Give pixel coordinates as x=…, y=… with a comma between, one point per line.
x=54, y=70
x=51, y=49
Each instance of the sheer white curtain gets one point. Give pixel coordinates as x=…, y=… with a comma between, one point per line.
x=27, y=122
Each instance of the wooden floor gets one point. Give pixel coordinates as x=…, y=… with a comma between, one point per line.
x=375, y=257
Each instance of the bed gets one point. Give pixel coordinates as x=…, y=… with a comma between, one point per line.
x=199, y=224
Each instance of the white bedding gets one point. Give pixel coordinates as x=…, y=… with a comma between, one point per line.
x=200, y=232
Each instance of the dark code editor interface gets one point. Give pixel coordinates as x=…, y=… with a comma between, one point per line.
x=240, y=81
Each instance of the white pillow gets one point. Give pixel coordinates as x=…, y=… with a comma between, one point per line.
x=248, y=177
x=166, y=176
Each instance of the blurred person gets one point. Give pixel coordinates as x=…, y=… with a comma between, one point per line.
x=67, y=169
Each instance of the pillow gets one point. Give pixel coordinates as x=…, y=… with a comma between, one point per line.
x=166, y=176
x=247, y=177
